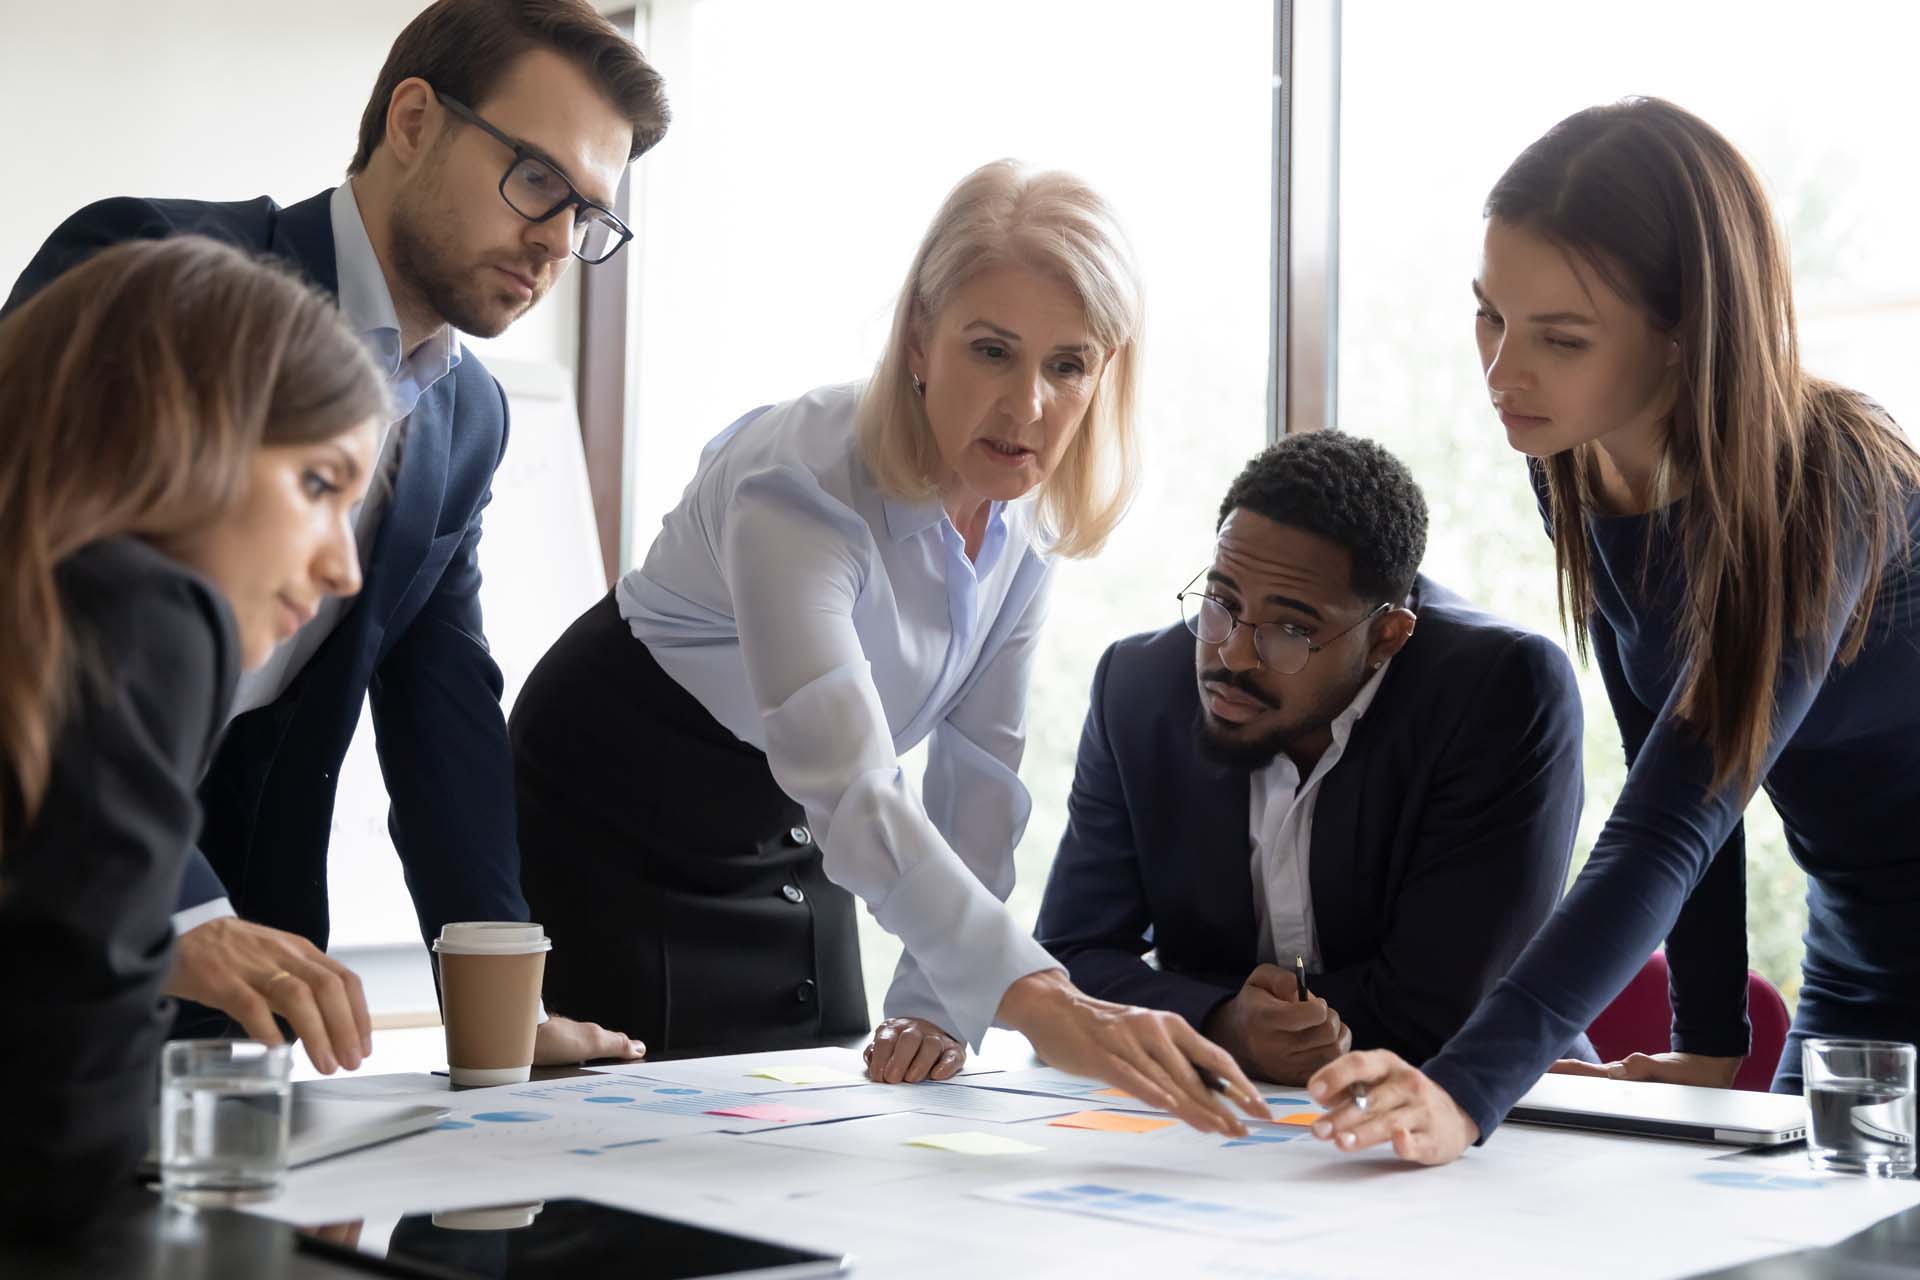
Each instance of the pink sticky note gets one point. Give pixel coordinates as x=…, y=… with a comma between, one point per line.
x=775, y=1112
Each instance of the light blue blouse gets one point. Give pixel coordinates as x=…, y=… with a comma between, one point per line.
x=835, y=628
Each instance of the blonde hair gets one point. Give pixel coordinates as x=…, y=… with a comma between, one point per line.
x=1054, y=224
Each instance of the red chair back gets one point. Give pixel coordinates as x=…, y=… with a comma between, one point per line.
x=1640, y=1020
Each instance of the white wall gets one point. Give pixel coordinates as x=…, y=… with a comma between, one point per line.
x=209, y=99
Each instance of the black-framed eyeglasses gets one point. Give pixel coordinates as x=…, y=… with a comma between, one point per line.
x=1281, y=647
x=537, y=191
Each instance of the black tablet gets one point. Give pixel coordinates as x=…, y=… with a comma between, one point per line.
x=565, y=1237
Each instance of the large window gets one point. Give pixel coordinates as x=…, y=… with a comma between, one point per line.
x=1435, y=100
x=813, y=142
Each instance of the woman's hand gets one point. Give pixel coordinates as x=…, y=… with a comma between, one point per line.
x=909, y=1050
x=1666, y=1068
x=1401, y=1105
x=1153, y=1055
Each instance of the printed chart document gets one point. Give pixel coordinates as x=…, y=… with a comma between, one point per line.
x=980, y=1176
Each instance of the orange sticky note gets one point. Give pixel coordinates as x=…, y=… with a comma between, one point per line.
x=1112, y=1122
x=1304, y=1119
x=1111, y=1093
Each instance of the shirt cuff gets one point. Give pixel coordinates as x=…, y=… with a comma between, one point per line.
x=194, y=917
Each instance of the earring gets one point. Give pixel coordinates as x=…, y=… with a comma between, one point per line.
x=919, y=387
x=1376, y=666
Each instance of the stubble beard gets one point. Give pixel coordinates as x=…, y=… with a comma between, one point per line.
x=425, y=267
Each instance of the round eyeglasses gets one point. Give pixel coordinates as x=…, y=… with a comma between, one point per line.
x=1281, y=647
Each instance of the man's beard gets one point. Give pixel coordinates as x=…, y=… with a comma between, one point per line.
x=421, y=261
x=1241, y=753
x=1237, y=753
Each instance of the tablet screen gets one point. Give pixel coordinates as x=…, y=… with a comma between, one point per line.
x=569, y=1237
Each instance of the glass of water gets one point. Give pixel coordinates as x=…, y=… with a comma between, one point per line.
x=1860, y=1098
x=224, y=1109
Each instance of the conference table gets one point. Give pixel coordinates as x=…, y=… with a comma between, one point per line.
x=138, y=1234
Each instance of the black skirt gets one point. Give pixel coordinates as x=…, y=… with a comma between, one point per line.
x=681, y=888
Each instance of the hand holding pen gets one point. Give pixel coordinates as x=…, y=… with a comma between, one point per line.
x=1276, y=1030
x=1401, y=1106
x=1357, y=1091
x=1154, y=1055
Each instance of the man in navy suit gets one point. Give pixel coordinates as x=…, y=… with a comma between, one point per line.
x=489, y=156
x=1301, y=771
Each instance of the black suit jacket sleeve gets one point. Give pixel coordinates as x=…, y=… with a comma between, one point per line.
x=1094, y=915
x=87, y=890
x=1707, y=946
x=442, y=742
x=1488, y=862
x=100, y=225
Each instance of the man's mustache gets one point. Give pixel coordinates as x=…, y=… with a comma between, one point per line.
x=1240, y=681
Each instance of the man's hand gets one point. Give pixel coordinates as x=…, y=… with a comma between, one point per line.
x=251, y=972
x=909, y=1050
x=1154, y=1055
x=561, y=1042
x=1274, y=1035
x=1667, y=1068
x=1400, y=1105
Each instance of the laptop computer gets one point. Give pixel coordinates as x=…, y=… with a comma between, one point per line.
x=1732, y=1117
x=320, y=1127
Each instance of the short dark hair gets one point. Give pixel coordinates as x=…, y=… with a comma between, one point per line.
x=463, y=48
x=1347, y=490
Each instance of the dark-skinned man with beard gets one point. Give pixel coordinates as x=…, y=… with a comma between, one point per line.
x=1331, y=758
x=488, y=158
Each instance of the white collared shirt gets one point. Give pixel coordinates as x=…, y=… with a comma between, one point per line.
x=834, y=628
x=368, y=309
x=1281, y=817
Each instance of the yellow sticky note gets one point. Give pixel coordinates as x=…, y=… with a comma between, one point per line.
x=1304, y=1119
x=974, y=1144
x=1112, y=1122
x=801, y=1073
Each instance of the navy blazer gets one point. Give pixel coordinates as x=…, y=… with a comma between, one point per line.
x=1440, y=840
x=411, y=642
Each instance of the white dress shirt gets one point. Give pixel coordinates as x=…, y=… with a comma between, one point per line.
x=368, y=309
x=1281, y=816
x=834, y=628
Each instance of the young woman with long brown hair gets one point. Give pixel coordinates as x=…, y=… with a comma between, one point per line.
x=1735, y=545
x=183, y=433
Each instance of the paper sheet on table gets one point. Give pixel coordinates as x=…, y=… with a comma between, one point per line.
x=1166, y=1201
x=772, y=1113
x=890, y=1140
x=1113, y=1122
x=801, y=1073
x=761, y=1072
x=975, y=1144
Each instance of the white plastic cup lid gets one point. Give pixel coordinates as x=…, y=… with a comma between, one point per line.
x=491, y=938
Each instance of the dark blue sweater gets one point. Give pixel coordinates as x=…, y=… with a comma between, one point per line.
x=1843, y=769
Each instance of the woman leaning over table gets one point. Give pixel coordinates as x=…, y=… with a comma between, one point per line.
x=708, y=761
x=183, y=435
x=1735, y=543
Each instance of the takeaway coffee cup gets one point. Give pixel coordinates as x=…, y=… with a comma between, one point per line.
x=490, y=975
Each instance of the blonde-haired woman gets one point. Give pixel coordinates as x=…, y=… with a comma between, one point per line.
x=708, y=761
x=185, y=434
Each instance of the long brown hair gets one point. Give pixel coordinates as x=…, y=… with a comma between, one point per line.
x=133, y=392
x=1788, y=477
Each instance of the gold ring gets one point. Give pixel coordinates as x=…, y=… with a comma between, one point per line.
x=277, y=976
